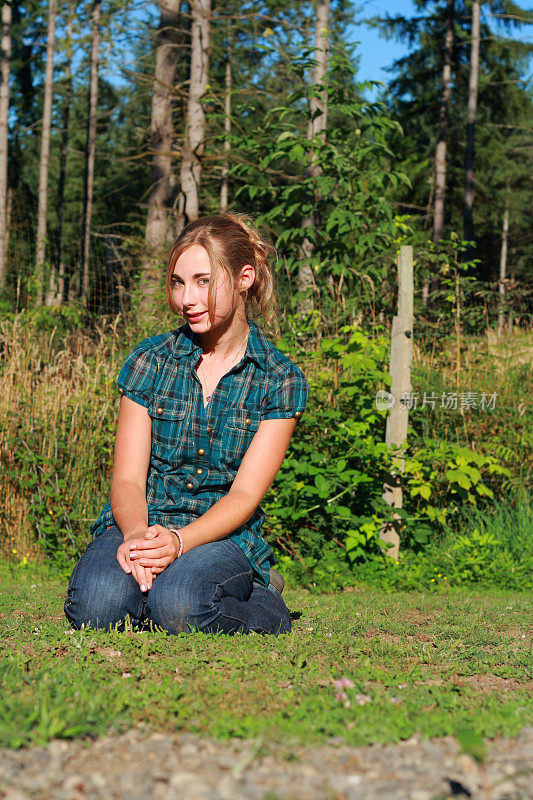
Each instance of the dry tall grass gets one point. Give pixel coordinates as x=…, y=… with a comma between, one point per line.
x=58, y=406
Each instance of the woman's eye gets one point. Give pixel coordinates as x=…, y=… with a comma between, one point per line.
x=204, y=281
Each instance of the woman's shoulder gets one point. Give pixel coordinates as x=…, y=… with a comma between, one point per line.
x=147, y=364
x=161, y=345
x=277, y=364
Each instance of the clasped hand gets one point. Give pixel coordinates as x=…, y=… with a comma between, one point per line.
x=148, y=555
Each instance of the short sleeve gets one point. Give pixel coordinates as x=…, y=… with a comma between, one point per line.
x=137, y=375
x=287, y=395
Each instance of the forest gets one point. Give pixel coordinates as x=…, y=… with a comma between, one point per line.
x=120, y=122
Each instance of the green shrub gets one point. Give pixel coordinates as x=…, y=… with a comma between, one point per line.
x=325, y=509
x=493, y=548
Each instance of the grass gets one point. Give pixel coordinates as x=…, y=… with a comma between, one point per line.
x=415, y=662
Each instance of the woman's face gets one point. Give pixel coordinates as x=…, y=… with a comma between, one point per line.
x=190, y=286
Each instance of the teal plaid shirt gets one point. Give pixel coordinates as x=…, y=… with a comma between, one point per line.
x=197, y=451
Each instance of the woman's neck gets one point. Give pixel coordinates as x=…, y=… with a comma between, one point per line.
x=224, y=342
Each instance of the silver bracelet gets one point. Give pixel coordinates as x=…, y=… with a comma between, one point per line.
x=178, y=534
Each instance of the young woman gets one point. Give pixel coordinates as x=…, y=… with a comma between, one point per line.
x=206, y=415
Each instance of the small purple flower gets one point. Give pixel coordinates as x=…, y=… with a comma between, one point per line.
x=363, y=699
x=344, y=683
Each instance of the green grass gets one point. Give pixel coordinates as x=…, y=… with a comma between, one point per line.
x=429, y=662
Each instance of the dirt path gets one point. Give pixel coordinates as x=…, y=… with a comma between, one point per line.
x=186, y=767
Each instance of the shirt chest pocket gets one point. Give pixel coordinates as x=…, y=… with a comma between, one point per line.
x=239, y=430
x=168, y=423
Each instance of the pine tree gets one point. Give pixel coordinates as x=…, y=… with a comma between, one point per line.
x=194, y=140
x=168, y=54
x=45, y=155
x=4, y=110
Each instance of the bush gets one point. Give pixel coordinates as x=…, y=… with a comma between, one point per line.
x=493, y=548
x=325, y=509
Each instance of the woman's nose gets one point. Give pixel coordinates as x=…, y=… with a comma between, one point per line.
x=189, y=294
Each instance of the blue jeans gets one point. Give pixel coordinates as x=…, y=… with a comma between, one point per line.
x=209, y=588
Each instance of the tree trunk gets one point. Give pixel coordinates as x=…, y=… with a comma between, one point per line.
x=193, y=145
x=440, y=154
x=42, y=213
x=503, y=264
x=162, y=129
x=316, y=126
x=90, y=151
x=470, y=125
x=60, y=270
x=442, y=139
x=4, y=111
x=9, y=209
x=227, y=128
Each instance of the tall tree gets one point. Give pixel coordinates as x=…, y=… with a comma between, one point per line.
x=194, y=137
x=4, y=111
x=503, y=263
x=317, y=125
x=442, y=137
x=162, y=140
x=42, y=213
x=90, y=154
x=227, y=125
x=503, y=102
x=471, y=124
x=56, y=294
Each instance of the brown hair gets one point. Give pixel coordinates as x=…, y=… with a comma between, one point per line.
x=231, y=242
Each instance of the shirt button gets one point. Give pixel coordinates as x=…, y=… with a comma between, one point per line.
x=189, y=485
x=248, y=421
x=121, y=391
x=201, y=452
x=209, y=430
x=199, y=471
x=159, y=411
x=298, y=414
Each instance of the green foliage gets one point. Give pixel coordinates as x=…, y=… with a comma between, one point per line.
x=503, y=120
x=38, y=478
x=58, y=320
x=329, y=487
x=341, y=185
x=491, y=547
x=325, y=509
x=472, y=744
x=448, y=475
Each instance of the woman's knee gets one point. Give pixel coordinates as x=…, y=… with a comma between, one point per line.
x=176, y=606
x=100, y=594
x=185, y=600
x=95, y=603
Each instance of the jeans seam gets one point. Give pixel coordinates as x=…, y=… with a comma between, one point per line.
x=232, y=578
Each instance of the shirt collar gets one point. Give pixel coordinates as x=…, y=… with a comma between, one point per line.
x=187, y=344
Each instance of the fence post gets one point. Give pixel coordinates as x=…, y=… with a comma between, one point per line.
x=401, y=357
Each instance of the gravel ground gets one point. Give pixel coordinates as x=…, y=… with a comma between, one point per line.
x=186, y=767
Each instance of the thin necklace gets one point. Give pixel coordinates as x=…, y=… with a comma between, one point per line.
x=232, y=363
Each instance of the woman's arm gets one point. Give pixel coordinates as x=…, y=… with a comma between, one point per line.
x=128, y=485
x=130, y=469
x=258, y=469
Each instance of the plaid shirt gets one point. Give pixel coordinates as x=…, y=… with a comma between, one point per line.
x=197, y=450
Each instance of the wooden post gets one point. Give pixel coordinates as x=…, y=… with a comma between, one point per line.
x=400, y=369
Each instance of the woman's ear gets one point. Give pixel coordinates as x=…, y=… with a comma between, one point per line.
x=247, y=277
